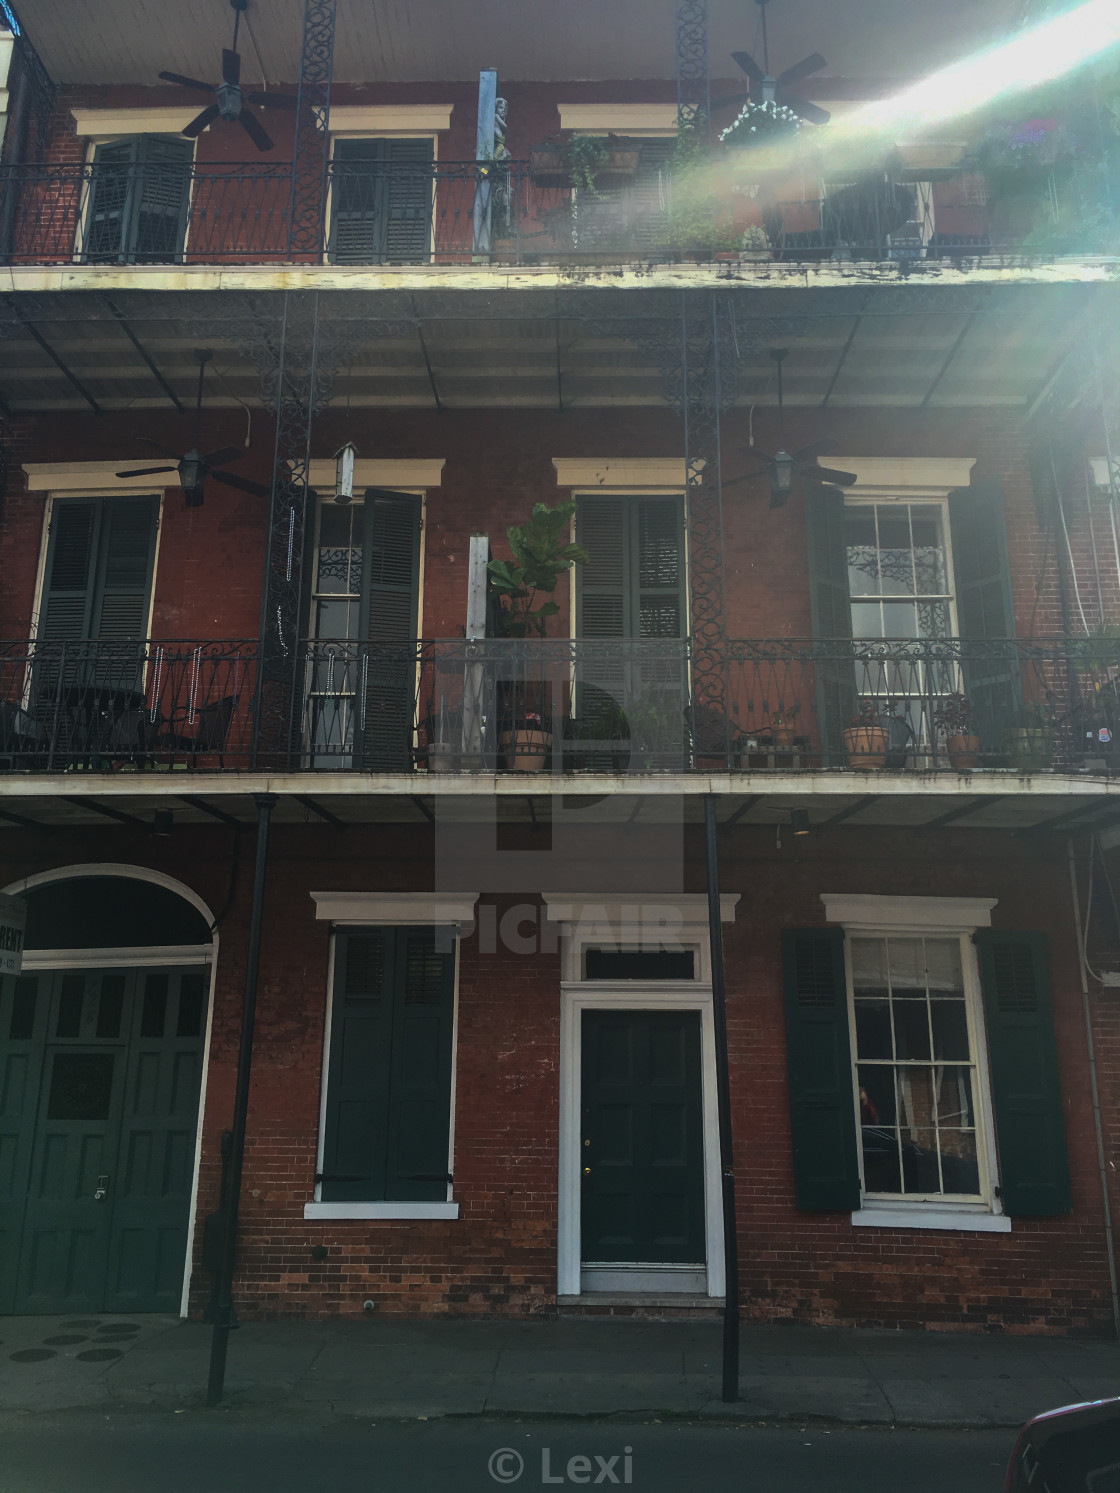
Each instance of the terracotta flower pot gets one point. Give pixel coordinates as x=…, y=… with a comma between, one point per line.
x=866, y=746
x=525, y=751
x=964, y=752
x=782, y=737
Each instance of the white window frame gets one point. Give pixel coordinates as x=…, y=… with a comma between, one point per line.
x=857, y=499
x=120, y=127
x=396, y=910
x=927, y=917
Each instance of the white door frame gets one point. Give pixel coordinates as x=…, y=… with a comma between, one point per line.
x=670, y=996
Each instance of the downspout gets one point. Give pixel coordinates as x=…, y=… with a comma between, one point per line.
x=223, y=1286
x=723, y=1106
x=1094, y=1089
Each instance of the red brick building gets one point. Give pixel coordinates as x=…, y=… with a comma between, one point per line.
x=838, y=437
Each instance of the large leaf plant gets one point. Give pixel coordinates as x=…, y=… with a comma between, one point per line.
x=542, y=553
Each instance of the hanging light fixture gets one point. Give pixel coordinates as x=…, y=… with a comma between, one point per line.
x=781, y=478
x=163, y=821
x=344, y=473
x=799, y=821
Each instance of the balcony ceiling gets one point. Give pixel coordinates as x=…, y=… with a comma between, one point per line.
x=911, y=346
x=130, y=41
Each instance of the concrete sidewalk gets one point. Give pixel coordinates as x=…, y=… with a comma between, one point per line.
x=394, y=1368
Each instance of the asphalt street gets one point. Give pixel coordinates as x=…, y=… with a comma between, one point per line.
x=199, y=1451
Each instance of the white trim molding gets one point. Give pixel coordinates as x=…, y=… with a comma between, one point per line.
x=917, y=914
x=619, y=119
x=389, y=119
x=143, y=956
x=413, y=474
x=396, y=909
x=381, y=1210
x=111, y=124
x=907, y=476
x=930, y=1216
x=85, y=476
x=636, y=474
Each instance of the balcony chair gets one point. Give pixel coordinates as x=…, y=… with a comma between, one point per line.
x=212, y=723
x=21, y=737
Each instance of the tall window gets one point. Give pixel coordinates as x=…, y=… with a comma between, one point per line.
x=381, y=202
x=916, y=1069
x=138, y=201
x=632, y=217
x=899, y=573
x=98, y=574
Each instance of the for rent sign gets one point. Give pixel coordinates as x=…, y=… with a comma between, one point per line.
x=13, y=920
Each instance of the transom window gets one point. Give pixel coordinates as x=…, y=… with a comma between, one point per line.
x=899, y=573
x=917, y=1078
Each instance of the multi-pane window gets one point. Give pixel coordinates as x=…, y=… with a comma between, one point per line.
x=898, y=570
x=917, y=1075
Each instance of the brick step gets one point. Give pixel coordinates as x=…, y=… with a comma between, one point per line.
x=680, y=1304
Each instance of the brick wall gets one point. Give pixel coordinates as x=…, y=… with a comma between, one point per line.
x=500, y=1255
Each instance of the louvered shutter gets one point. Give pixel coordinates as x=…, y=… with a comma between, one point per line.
x=602, y=529
x=106, y=231
x=127, y=548
x=420, y=1085
x=387, y=621
x=831, y=611
x=68, y=592
x=358, y=1067
x=159, y=220
x=985, y=609
x=818, y=1049
x=381, y=198
x=633, y=216
x=1026, y=1090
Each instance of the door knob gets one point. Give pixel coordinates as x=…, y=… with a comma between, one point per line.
x=102, y=1187
x=587, y=1171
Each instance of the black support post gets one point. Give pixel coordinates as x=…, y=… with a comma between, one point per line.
x=723, y=1104
x=223, y=1292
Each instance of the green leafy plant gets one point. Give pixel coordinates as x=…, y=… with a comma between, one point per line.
x=541, y=555
x=699, y=217
x=587, y=156
x=953, y=716
x=761, y=123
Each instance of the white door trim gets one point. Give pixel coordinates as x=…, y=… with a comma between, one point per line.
x=574, y=1000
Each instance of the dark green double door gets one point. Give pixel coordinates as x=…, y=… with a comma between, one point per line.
x=642, y=1151
x=99, y=1083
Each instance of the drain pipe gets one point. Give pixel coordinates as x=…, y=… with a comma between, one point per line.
x=723, y=1105
x=223, y=1285
x=1094, y=1089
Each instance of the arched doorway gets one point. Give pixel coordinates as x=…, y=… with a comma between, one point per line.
x=102, y=1045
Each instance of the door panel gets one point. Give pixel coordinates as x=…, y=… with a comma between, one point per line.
x=643, y=1148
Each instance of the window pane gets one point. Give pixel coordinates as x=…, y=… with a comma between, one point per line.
x=950, y=1029
x=866, y=620
x=881, y=1170
x=911, y=1028
x=869, y=966
x=877, y=1094
x=929, y=549
x=900, y=619
x=334, y=619
x=907, y=965
x=960, y=1170
x=954, y=1097
x=933, y=619
x=336, y=523
x=873, y=1029
x=896, y=558
x=917, y=1104
x=920, y=1172
x=943, y=964
x=863, y=555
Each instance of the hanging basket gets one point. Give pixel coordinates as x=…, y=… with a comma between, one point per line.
x=549, y=166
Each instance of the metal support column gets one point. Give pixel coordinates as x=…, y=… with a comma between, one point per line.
x=310, y=157
x=694, y=88
x=223, y=1288
x=723, y=1105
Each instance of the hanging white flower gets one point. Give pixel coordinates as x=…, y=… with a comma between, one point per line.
x=761, y=119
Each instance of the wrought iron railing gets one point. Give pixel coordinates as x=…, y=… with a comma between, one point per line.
x=447, y=212
x=560, y=706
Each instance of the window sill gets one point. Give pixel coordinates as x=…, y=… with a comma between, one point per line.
x=924, y=1217
x=381, y=1210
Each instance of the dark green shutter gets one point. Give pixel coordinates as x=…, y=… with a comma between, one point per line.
x=1026, y=1092
x=831, y=610
x=381, y=202
x=68, y=590
x=388, y=1111
x=633, y=584
x=634, y=215
x=99, y=568
x=818, y=1044
x=139, y=199
x=387, y=622
x=601, y=589
x=985, y=608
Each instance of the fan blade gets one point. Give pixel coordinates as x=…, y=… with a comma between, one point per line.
x=252, y=127
x=228, y=479
x=765, y=455
x=830, y=474
x=146, y=440
x=802, y=69
x=815, y=449
x=749, y=66
x=807, y=110
x=200, y=121
x=231, y=67
x=272, y=100
x=226, y=454
x=146, y=471
x=187, y=82
x=730, y=98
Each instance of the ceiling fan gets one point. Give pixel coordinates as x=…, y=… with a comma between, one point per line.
x=231, y=101
x=784, y=467
x=195, y=466
x=777, y=90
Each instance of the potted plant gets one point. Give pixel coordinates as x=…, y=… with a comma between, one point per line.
x=866, y=741
x=962, y=745
x=781, y=730
x=1029, y=743
x=699, y=218
x=599, y=162
x=542, y=553
x=548, y=164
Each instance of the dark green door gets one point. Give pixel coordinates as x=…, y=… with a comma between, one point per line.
x=97, y=1122
x=642, y=1152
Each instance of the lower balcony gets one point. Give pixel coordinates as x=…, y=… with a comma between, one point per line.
x=553, y=707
